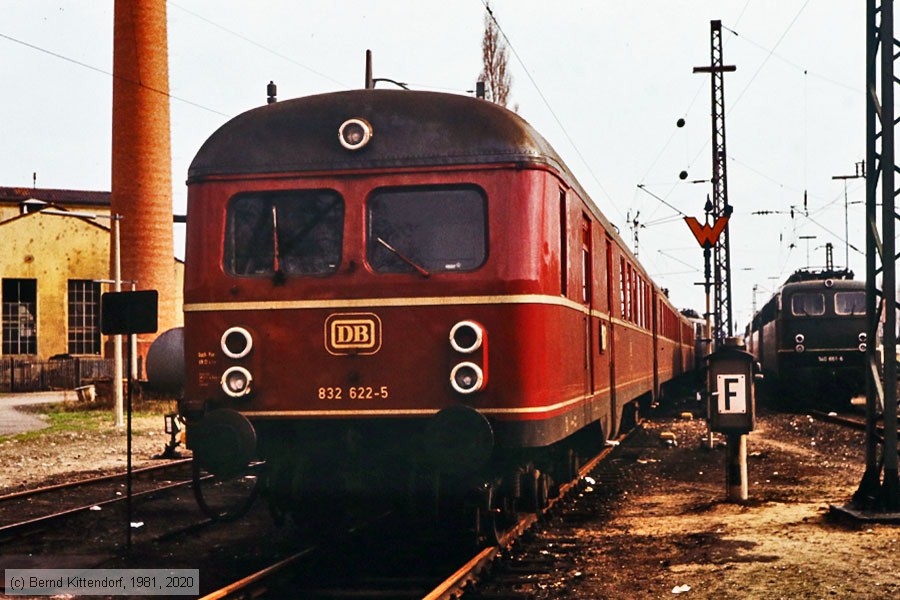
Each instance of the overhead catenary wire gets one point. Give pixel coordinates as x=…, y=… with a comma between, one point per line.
x=643, y=188
x=258, y=45
x=550, y=108
x=741, y=94
x=109, y=74
x=678, y=260
x=739, y=97
x=684, y=113
x=793, y=64
x=768, y=56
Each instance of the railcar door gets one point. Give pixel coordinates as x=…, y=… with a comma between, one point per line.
x=655, y=337
x=611, y=338
x=587, y=278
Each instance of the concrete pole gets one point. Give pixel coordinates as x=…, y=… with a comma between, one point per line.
x=118, y=367
x=736, y=467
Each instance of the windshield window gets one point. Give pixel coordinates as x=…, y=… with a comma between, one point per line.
x=298, y=232
x=427, y=230
x=808, y=304
x=850, y=303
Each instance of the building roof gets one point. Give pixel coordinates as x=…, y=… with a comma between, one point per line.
x=62, y=209
x=17, y=195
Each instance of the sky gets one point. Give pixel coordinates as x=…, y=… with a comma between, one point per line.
x=605, y=81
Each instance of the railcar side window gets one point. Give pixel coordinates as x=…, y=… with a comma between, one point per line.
x=426, y=229
x=850, y=303
x=808, y=304
x=297, y=232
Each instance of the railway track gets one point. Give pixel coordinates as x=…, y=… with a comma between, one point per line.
x=93, y=480
x=444, y=582
x=850, y=422
x=31, y=510
x=844, y=420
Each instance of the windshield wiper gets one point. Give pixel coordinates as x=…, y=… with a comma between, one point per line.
x=421, y=270
x=278, y=275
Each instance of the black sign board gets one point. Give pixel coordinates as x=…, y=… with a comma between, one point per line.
x=123, y=313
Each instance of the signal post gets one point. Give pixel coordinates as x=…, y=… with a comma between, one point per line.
x=732, y=408
x=731, y=370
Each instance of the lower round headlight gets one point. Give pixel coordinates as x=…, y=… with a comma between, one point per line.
x=862, y=347
x=236, y=382
x=800, y=348
x=467, y=377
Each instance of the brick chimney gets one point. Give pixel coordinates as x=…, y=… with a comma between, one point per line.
x=141, y=154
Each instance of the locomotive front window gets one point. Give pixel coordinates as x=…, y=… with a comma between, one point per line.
x=850, y=303
x=427, y=230
x=298, y=232
x=807, y=304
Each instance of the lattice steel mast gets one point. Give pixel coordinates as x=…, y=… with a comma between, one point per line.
x=723, y=323
x=881, y=47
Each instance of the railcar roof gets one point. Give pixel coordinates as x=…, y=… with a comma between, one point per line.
x=836, y=284
x=409, y=129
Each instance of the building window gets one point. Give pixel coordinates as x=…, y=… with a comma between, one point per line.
x=84, y=317
x=19, y=300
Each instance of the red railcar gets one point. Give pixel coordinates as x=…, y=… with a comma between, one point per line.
x=381, y=286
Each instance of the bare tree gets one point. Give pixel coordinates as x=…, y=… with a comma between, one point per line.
x=495, y=54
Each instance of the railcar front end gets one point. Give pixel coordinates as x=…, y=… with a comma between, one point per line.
x=385, y=286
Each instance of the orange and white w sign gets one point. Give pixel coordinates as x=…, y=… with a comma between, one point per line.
x=706, y=235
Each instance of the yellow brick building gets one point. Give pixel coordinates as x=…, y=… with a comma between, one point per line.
x=51, y=266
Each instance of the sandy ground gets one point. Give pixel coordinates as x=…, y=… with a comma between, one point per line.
x=656, y=523
x=69, y=455
x=665, y=528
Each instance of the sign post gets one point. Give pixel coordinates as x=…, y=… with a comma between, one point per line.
x=128, y=313
x=732, y=371
x=707, y=237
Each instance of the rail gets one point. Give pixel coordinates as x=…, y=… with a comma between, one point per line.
x=262, y=582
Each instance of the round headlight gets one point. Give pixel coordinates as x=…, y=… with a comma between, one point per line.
x=800, y=348
x=237, y=342
x=799, y=338
x=466, y=378
x=862, y=337
x=355, y=133
x=236, y=382
x=466, y=336
x=862, y=347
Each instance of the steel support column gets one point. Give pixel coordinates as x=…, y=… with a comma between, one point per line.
x=876, y=493
x=723, y=323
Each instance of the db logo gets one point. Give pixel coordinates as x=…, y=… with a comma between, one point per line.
x=353, y=333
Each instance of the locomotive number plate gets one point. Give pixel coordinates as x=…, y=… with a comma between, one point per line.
x=357, y=392
x=830, y=359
